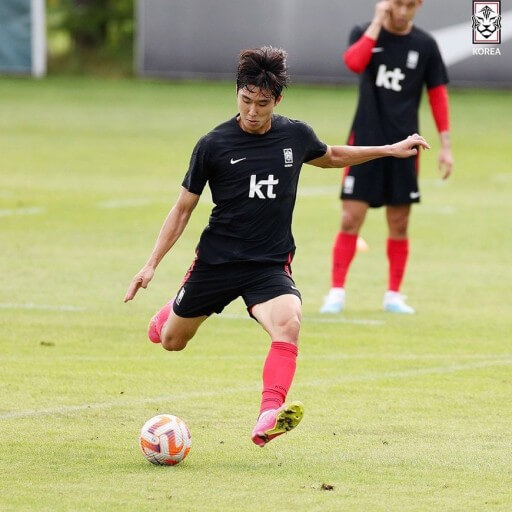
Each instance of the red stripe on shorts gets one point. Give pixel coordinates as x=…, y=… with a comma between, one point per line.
x=189, y=271
x=287, y=264
x=350, y=142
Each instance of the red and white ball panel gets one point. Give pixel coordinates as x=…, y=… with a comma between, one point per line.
x=165, y=440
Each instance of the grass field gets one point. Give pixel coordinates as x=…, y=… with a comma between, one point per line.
x=402, y=413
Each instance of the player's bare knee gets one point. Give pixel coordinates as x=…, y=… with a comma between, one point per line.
x=173, y=346
x=288, y=329
x=350, y=222
x=173, y=343
x=398, y=228
x=399, y=233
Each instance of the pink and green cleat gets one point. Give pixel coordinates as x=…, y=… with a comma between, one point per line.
x=158, y=321
x=274, y=422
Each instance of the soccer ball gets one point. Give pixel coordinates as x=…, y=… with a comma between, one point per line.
x=165, y=440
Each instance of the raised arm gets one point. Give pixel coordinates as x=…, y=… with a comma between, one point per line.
x=358, y=55
x=343, y=156
x=171, y=230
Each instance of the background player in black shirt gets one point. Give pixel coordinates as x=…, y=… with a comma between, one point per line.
x=395, y=60
x=252, y=164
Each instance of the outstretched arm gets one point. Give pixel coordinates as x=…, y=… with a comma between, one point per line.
x=343, y=156
x=171, y=230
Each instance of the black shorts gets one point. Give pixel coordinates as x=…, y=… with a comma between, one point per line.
x=385, y=181
x=208, y=289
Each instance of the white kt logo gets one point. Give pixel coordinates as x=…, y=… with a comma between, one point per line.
x=389, y=79
x=255, y=187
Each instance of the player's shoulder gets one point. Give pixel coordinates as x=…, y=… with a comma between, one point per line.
x=287, y=122
x=220, y=131
x=422, y=36
x=293, y=125
x=227, y=127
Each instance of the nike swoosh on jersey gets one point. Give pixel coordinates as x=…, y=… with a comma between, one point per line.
x=378, y=49
x=414, y=195
x=233, y=161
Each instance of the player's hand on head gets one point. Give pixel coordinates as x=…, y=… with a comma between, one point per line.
x=445, y=162
x=382, y=10
x=141, y=280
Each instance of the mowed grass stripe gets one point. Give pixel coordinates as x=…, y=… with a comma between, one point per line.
x=326, y=383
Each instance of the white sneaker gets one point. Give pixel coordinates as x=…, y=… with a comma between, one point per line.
x=334, y=301
x=394, y=302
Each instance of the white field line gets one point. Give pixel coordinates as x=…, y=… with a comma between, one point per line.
x=433, y=182
x=227, y=316
x=313, y=319
x=356, y=321
x=413, y=372
x=45, y=307
x=125, y=203
x=35, y=210
x=327, y=191
x=502, y=178
x=369, y=377
x=435, y=210
x=332, y=191
x=226, y=357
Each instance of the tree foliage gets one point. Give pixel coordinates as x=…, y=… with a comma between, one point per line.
x=97, y=24
x=91, y=36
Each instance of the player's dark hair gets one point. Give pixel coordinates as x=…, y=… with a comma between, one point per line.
x=264, y=68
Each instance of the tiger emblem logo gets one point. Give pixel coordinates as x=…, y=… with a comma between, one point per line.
x=486, y=22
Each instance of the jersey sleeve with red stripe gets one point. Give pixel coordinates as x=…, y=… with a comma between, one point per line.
x=436, y=78
x=439, y=104
x=358, y=55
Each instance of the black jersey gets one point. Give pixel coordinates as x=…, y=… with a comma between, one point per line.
x=253, y=181
x=390, y=87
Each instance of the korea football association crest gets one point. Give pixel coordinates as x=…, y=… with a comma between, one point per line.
x=486, y=20
x=412, y=59
x=348, y=184
x=288, y=157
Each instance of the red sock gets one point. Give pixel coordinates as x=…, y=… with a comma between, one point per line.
x=342, y=255
x=278, y=374
x=398, y=252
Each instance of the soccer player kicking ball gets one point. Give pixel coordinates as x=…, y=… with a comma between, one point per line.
x=252, y=164
x=394, y=59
